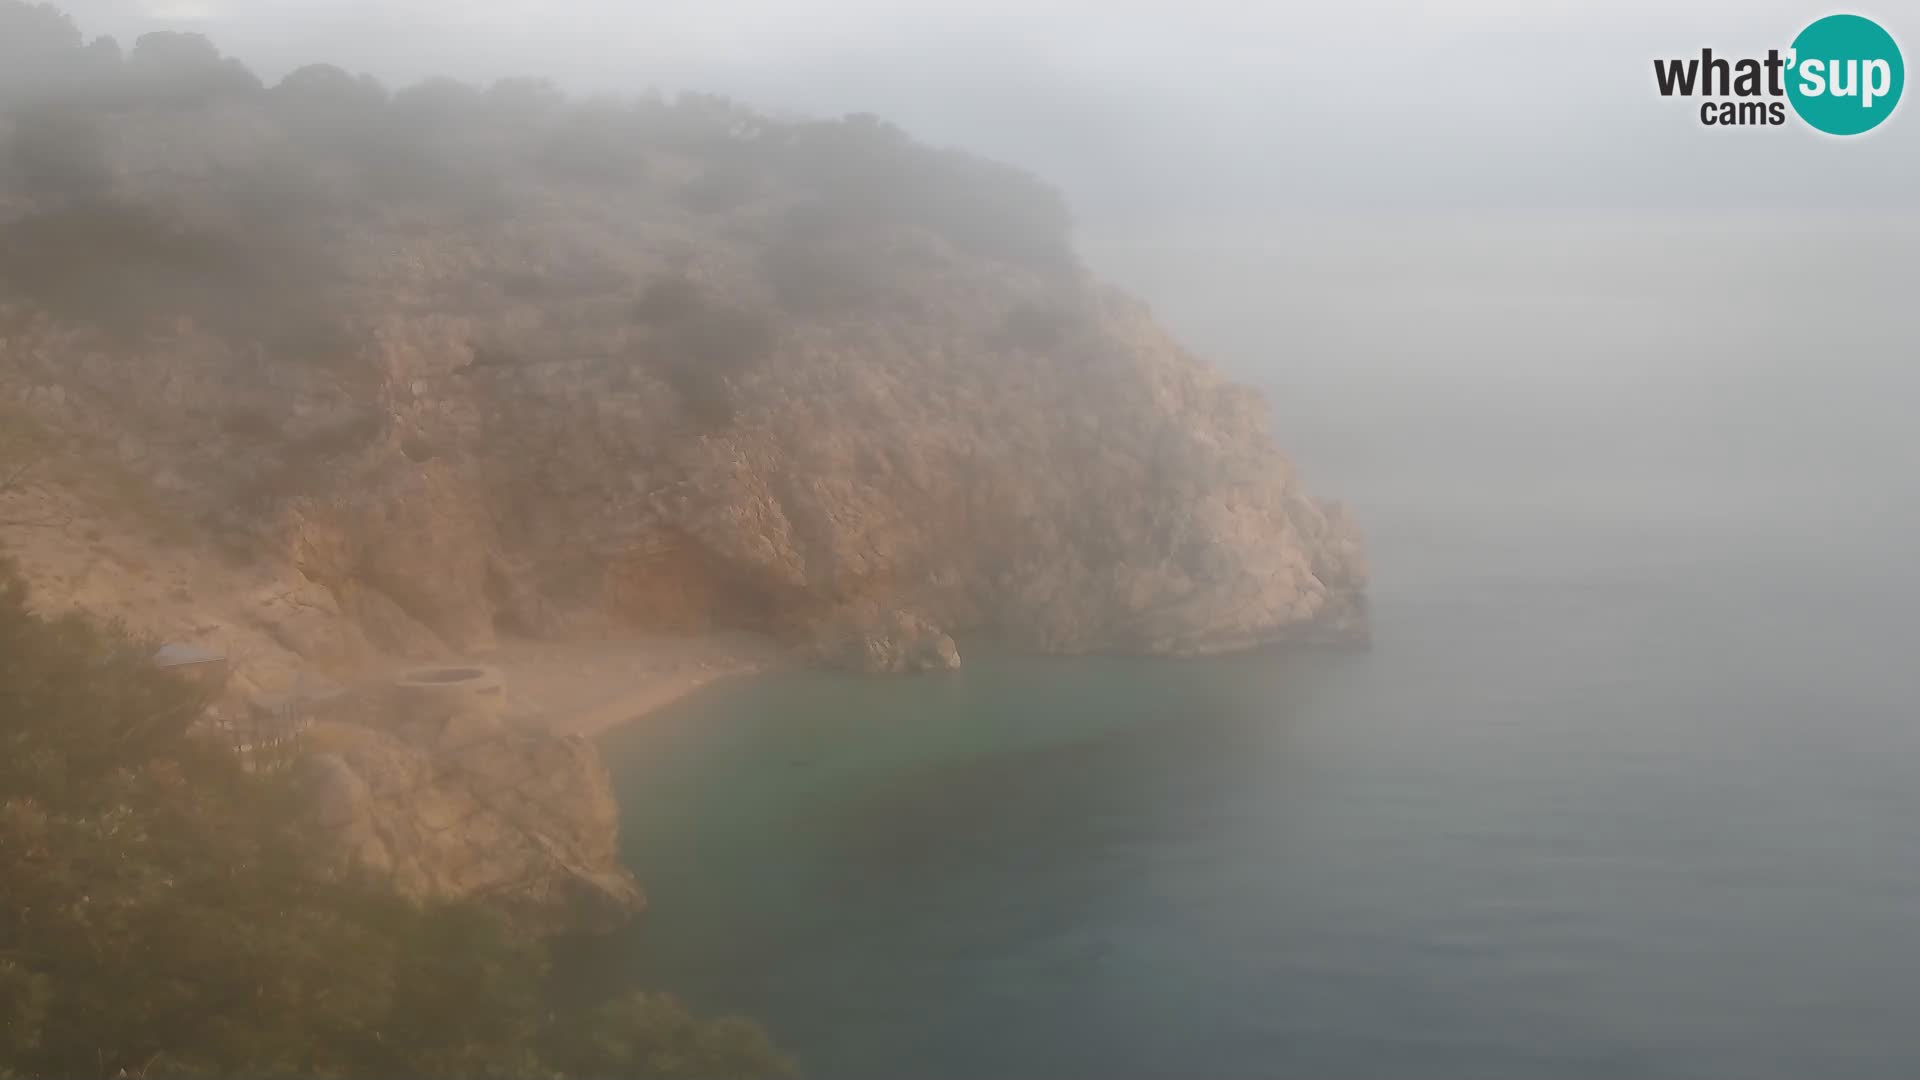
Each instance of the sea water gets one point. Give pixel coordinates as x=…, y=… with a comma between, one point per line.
x=1628, y=784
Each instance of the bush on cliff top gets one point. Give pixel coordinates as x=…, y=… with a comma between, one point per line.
x=159, y=913
x=441, y=138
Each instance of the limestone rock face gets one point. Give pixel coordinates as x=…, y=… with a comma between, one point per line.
x=865, y=637
x=511, y=431
x=447, y=803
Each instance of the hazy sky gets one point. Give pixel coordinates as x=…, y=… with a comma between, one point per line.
x=1171, y=107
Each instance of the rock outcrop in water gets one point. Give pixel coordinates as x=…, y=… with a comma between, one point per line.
x=401, y=373
x=863, y=636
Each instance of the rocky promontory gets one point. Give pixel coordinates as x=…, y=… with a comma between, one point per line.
x=323, y=378
x=431, y=367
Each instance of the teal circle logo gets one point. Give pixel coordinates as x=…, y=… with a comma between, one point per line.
x=1845, y=75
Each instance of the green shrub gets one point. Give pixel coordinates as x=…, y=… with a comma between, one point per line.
x=130, y=271
x=436, y=102
x=871, y=173
x=40, y=50
x=175, y=68
x=58, y=153
x=113, y=265
x=329, y=91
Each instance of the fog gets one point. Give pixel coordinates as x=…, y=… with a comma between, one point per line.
x=1372, y=209
x=1621, y=403
x=1466, y=232
x=1158, y=109
x=1466, y=241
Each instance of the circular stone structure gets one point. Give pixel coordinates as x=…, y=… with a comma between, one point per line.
x=461, y=701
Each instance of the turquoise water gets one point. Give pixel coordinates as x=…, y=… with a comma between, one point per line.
x=1553, y=823
x=1628, y=786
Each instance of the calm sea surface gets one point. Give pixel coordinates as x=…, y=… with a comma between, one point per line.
x=1628, y=785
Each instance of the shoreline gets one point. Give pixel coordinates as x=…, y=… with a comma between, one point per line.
x=642, y=702
x=591, y=687
x=588, y=688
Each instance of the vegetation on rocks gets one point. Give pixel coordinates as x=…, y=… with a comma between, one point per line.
x=160, y=914
x=455, y=359
x=443, y=363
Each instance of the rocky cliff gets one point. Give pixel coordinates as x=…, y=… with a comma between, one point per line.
x=444, y=801
x=403, y=372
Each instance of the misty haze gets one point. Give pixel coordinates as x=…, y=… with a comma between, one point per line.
x=577, y=540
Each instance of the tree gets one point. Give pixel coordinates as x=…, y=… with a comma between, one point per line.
x=38, y=49
x=57, y=153
x=324, y=87
x=35, y=30
x=874, y=175
x=186, y=69
x=436, y=102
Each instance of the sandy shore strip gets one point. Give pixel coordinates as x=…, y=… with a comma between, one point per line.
x=586, y=688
